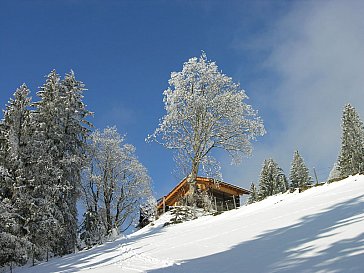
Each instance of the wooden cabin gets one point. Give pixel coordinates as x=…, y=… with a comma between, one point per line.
x=225, y=196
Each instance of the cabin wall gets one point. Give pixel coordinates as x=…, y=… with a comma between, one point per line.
x=223, y=201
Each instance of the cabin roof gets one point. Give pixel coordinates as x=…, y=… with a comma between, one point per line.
x=210, y=182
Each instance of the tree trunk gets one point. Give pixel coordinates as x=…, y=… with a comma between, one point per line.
x=191, y=199
x=33, y=252
x=108, y=218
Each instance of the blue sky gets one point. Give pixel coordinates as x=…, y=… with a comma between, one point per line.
x=299, y=63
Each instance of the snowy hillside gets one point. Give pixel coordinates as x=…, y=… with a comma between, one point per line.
x=319, y=230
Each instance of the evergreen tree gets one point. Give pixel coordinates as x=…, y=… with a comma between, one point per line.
x=14, y=248
x=272, y=179
x=281, y=183
x=351, y=158
x=61, y=130
x=334, y=174
x=42, y=153
x=75, y=132
x=14, y=177
x=299, y=174
x=47, y=223
x=15, y=140
x=253, y=197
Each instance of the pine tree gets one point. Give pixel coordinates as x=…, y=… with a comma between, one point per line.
x=351, y=158
x=299, y=174
x=253, y=197
x=272, y=179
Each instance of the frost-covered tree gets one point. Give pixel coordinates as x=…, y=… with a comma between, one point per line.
x=272, y=179
x=334, y=174
x=148, y=212
x=47, y=223
x=116, y=183
x=13, y=247
x=16, y=139
x=253, y=197
x=42, y=151
x=351, y=158
x=60, y=132
x=14, y=186
x=299, y=174
x=75, y=132
x=281, y=183
x=206, y=110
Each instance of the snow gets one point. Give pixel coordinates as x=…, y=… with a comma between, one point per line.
x=319, y=230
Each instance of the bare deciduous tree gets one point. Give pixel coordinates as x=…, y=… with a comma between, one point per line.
x=116, y=183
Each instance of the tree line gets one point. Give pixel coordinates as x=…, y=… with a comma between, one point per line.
x=50, y=159
x=349, y=162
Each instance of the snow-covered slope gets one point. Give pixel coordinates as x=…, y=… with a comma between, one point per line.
x=319, y=230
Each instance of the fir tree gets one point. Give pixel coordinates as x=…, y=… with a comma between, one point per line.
x=299, y=174
x=281, y=183
x=14, y=177
x=253, y=197
x=272, y=179
x=351, y=158
x=334, y=174
x=48, y=223
x=75, y=132
x=42, y=153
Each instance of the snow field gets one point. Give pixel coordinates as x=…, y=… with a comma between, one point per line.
x=319, y=230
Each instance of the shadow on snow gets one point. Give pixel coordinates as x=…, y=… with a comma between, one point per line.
x=90, y=258
x=281, y=250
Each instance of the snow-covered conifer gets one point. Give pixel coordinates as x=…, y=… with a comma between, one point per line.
x=60, y=132
x=281, y=183
x=17, y=137
x=206, y=110
x=47, y=223
x=75, y=131
x=334, y=173
x=272, y=179
x=253, y=197
x=13, y=247
x=14, y=176
x=299, y=174
x=351, y=158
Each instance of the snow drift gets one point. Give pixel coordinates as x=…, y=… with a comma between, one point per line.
x=319, y=230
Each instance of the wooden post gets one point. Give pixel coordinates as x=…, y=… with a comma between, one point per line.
x=164, y=204
x=215, y=203
x=227, y=206
x=234, y=201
